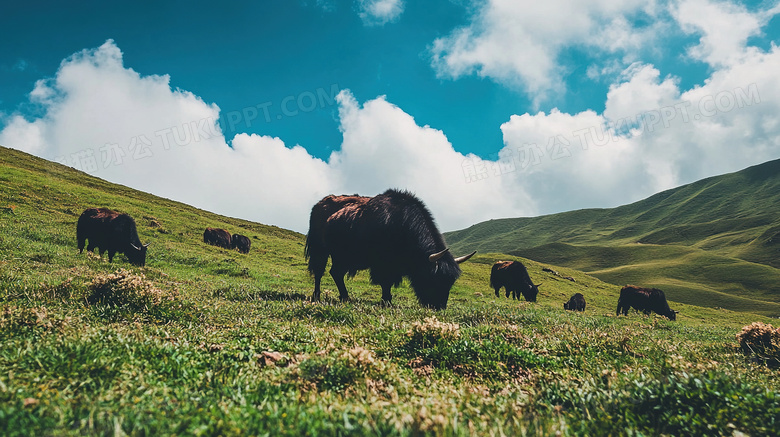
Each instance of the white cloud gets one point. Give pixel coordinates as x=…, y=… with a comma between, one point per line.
x=379, y=12
x=725, y=28
x=519, y=43
x=640, y=92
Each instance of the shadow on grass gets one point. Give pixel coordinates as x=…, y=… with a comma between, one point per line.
x=250, y=294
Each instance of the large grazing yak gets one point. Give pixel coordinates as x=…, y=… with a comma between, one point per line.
x=110, y=231
x=392, y=234
x=644, y=299
x=514, y=276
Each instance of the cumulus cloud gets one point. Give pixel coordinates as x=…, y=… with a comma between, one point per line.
x=725, y=28
x=520, y=44
x=652, y=135
x=108, y=120
x=379, y=12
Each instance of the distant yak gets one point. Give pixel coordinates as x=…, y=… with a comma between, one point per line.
x=575, y=303
x=514, y=277
x=645, y=300
x=242, y=243
x=393, y=235
x=110, y=231
x=217, y=237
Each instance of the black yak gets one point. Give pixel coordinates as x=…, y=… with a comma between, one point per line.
x=218, y=237
x=110, y=231
x=241, y=242
x=646, y=300
x=392, y=234
x=514, y=277
x=575, y=303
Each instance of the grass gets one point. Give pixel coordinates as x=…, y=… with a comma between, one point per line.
x=713, y=242
x=208, y=341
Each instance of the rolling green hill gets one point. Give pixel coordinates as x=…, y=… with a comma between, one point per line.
x=208, y=341
x=715, y=242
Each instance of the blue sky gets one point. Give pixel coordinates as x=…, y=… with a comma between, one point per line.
x=485, y=109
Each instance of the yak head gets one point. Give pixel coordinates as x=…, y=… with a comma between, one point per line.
x=530, y=291
x=671, y=314
x=434, y=279
x=137, y=255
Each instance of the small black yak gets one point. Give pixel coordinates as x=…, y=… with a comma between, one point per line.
x=241, y=242
x=575, y=303
x=392, y=234
x=110, y=231
x=217, y=237
x=646, y=300
x=514, y=277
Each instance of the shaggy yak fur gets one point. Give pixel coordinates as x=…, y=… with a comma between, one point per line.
x=644, y=299
x=110, y=231
x=575, y=303
x=217, y=237
x=514, y=277
x=392, y=235
x=241, y=242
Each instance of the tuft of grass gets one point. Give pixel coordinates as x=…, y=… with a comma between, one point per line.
x=124, y=294
x=761, y=342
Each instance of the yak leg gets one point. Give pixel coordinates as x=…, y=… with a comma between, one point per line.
x=508, y=291
x=387, y=297
x=315, y=297
x=338, y=278
x=110, y=254
x=317, y=268
x=497, y=289
x=81, y=244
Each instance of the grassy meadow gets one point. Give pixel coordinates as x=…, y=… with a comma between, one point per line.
x=208, y=341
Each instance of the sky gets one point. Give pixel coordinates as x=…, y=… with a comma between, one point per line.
x=484, y=109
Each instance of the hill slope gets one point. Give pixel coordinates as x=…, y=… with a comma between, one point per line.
x=207, y=341
x=713, y=242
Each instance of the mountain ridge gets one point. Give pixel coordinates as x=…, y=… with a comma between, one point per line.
x=730, y=220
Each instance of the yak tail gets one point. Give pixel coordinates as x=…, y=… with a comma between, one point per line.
x=316, y=254
x=493, y=278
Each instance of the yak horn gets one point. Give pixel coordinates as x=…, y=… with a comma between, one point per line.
x=464, y=258
x=135, y=247
x=436, y=256
x=147, y=244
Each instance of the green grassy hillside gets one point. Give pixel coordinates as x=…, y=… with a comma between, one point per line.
x=715, y=242
x=208, y=341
